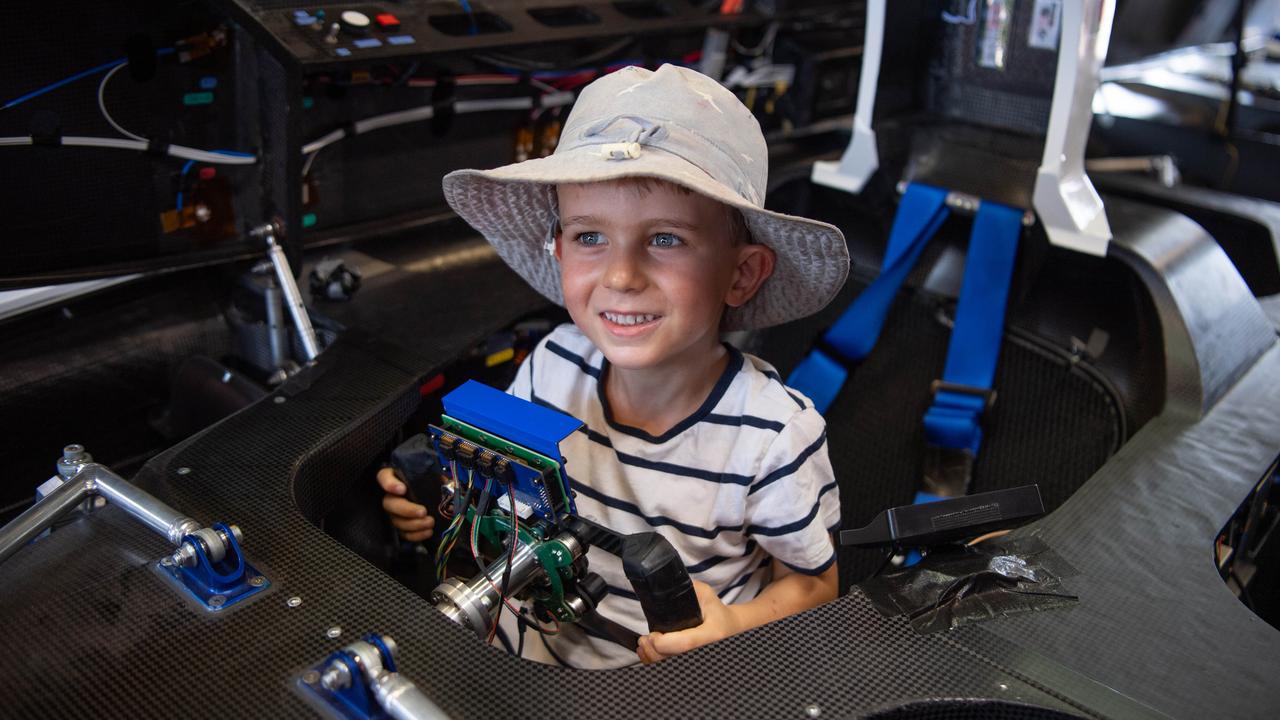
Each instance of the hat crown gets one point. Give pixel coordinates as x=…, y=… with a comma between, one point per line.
x=675, y=110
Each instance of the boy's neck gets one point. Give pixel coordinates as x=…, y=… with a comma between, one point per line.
x=656, y=399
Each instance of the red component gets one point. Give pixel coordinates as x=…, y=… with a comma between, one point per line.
x=208, y=173
x=431, y=385
x=387, y=21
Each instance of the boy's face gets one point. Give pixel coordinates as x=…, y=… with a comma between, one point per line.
x=647, y=270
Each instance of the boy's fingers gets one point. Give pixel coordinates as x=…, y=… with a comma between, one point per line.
x=390, y=482
x=400, y=507
x=675, y=643
x=416, y=536
x=413, y=524
x=646, y=652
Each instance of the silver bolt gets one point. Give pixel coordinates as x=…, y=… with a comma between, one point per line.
x=813, y=711
x=333, y=632
x=294, y=601
x=185, y=555
x=337, y=676
x=1002, y=686
x=311, y=677
x=203, y=213
x=218, y=601
x=257, y=581
x=279, y=399
x=184, y=470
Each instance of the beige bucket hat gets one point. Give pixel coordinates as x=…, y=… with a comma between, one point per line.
x=673, y=124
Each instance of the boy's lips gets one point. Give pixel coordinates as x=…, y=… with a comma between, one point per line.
x=629, y=324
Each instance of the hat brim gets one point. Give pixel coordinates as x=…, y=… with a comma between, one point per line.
x=514, y=207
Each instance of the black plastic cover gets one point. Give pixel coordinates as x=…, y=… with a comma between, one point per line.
x=945, y=520
x=958, y=585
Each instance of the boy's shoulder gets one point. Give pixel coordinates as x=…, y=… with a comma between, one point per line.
x=766, y=394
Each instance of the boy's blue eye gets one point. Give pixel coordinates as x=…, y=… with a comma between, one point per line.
x=665, y=240
x=590, y=239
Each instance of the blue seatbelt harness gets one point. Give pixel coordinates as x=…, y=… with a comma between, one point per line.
x=952, y=425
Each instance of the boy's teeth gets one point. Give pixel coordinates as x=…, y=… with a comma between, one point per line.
x=629, y=319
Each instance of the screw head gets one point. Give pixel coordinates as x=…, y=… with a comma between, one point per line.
x=217, y=601
x=257, y=581
x=311, y=677
x=184, y=470
x=279, y=399
x=293, y=602
x=813, y=711
x=333, y=632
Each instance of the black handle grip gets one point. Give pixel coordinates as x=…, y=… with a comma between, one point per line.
x=414, y=461
x=661, y=581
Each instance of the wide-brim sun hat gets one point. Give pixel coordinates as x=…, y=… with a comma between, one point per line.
x=672, y=124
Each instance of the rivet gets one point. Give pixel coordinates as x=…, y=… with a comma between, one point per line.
x=184, y=470
x=813, y=711
x=279, y=399
x=333, y=632
x=294, y=601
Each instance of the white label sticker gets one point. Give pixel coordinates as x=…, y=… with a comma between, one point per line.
x=993, y=42
x=1046, y=25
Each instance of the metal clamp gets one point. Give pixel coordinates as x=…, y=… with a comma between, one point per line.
x=988, y=395
x=360, y=681
x=207, y=562
x=947, y=471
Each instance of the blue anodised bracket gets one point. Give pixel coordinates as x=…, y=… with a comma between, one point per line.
x=356, y=701
x=218, y=585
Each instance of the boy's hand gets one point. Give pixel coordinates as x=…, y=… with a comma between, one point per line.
x=410, y=518
x=718, y=622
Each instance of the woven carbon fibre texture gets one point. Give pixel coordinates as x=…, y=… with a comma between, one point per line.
x=105, y=637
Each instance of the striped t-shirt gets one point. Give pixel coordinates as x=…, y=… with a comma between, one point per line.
x=743, y=479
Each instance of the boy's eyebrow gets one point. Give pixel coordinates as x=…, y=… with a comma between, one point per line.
x=593, y=220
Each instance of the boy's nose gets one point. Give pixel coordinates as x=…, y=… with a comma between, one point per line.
x=624, y=272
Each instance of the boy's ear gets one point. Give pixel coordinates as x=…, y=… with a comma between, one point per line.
x=755, y=265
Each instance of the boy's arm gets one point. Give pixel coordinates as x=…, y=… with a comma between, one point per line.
x=789, y=593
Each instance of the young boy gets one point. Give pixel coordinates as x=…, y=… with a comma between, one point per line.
x=647, y=225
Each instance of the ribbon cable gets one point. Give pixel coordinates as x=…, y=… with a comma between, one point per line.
x=823, y=372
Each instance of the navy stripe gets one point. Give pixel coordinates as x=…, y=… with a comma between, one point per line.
x=749, y=420
x=773, y=375
x=663, y=467
x=731, y=370
x=743, y=580
x=792, y=466
x=682, y=471
x=623, y=505
x=814, y=571
x=717, y=559
x=784, y=529
x=575, y=359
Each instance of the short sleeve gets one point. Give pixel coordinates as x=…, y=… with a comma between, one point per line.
x=793, y=504
x=522, y=385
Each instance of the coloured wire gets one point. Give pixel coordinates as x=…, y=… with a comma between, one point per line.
x=78, y=76
x=102, y=105
x=475, y=555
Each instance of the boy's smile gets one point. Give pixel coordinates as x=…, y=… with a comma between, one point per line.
x=647, y=270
